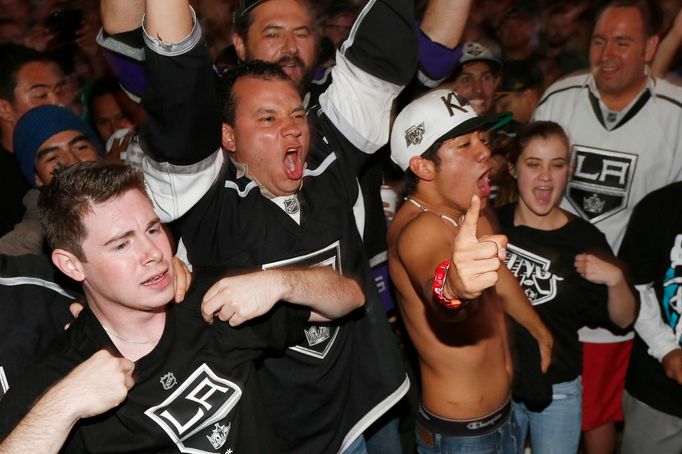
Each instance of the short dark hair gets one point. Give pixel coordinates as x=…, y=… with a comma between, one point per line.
x=411, y=180
x=256, y=69
x=14, y=57
x=64, y=202
x=651, y=13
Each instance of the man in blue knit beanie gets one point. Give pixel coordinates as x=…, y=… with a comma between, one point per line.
x=49, y=137
x=46, y=138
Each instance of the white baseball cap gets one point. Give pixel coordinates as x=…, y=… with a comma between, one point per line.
x=438, y=115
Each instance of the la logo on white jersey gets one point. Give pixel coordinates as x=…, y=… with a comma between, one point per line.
x=600, y=186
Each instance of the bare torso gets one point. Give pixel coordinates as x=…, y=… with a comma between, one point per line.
x=465, y=365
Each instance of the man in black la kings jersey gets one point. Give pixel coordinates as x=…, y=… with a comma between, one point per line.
x=280, y=193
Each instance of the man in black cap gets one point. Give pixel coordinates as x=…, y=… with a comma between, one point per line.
x=520, y=90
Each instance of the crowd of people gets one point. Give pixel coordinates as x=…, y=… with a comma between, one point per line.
x=341, y=226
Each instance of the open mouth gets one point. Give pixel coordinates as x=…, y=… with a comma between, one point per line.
x=477, y=104
x=292, y=66
x=483, y=184
x=293, y=164
x=543, y=194
x=158, y=280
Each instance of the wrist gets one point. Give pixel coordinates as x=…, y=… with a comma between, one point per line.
x=283, y=281
x=440, y=292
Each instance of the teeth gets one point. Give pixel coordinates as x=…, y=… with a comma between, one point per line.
x=155, y=279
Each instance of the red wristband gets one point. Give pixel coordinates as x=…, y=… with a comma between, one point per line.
x=438, y=285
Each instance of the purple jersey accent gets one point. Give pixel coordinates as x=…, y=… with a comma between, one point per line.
x=130, y=73
x=436, y=60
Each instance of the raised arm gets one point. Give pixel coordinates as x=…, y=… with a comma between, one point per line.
x=621, y=303
x=119, y=16
x=181, y=136
x=444, y=21
x=370, y=71
x=169, y=21
x=668, y=48
x=237, y=299
x=94, y=387
x=439, y=37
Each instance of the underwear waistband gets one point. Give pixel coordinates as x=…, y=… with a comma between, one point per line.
x=464, y=427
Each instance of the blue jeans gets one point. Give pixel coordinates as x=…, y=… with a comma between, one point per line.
x=357, y=447
x=385, y=439
x=504, y=440
x=556, y=429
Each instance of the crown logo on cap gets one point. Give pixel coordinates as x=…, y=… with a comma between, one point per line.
x=414, y=134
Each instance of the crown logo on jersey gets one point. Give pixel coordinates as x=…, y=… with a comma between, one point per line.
x=593, y=204
x=219, y=435
x=317, y=334
x=415, y=134
x=168, y=381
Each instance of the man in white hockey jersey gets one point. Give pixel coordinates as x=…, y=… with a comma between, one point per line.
x=625, y=127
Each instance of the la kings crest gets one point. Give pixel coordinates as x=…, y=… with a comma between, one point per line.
x=532, y=271
x=319, y=337
x=601, y=183
x=197, y=416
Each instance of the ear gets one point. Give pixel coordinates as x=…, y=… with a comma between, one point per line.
x=6, y=111
x=39, y=181
x=650, y=48
x=68, y=264
x=512, y=170
x=228, y=138
x=239, y=46
x=425, y=169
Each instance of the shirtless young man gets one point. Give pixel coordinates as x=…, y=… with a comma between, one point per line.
x=464, y=356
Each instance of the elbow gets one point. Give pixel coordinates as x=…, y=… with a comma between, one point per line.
x=624, y=320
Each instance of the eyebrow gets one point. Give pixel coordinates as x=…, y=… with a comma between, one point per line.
x=80, y=138
x=130, y=233
x=59, y=83
x=275, y=27
x=44, y=151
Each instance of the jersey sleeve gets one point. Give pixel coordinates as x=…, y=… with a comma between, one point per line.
x=436, y=61
x=638, y=248
x=376, y=61
x=21, y=396
x=181, y=136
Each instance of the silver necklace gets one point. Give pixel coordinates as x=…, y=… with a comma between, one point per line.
x=437, y=213
x=130, y=341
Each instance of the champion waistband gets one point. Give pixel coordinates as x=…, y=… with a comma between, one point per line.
x=464, y=427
